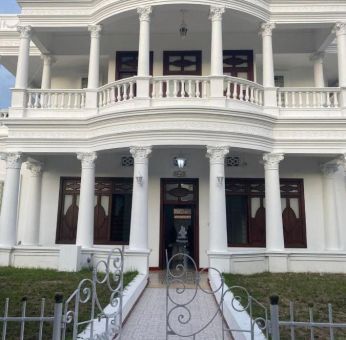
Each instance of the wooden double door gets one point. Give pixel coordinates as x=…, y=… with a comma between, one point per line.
x=179, y=218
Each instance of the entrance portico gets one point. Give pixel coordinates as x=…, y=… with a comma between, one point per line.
x=244, y=189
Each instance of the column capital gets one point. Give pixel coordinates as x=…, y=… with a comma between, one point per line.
x=35, y=168
x=340, y=28
x=216, y=12
x=272, y=160
x=87, y=159
x=13, y=159
x=144, y=13
x=25, y=31
x=48, y=59
x=318, y=57
x=267, y=28
x=330, y=168
x=140, y=153
x=95, y=30
x=216, y=154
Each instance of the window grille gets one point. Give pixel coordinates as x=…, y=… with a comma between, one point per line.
x=127, y=161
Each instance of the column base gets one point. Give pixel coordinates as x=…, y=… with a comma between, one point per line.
x=6, y=256
x=70, y=258
x=220, y=261
x=277, y=263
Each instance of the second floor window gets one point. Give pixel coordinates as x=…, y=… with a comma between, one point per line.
x=182, y=63
x=238, y=63
x=127, y=64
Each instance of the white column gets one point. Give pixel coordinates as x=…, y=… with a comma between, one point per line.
x=267, y=54
x=216, y=40
x=340, y=31
x=8, y=218
x=139, y=212
x=33, y=204
x=46, y=72
x=23, y=57
x=144, y=41
x=85, y=225
x=217, y=199
x=270, y=92
x=317, y=58
x=331, y=227
x=274, y=226
x=94, y=58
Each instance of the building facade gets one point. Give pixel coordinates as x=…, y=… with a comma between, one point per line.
x=175, y=126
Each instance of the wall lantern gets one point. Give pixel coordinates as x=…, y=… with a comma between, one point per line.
x=183, y=27
x=139, y=179
x=180, y=162
x=220, y=180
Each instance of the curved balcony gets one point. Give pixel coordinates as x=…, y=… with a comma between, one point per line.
x=235, y=94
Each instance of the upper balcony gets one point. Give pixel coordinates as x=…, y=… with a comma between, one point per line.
x=140, y=59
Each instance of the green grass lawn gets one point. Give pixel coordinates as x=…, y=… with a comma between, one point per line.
x=302, y=289
x=35, y=284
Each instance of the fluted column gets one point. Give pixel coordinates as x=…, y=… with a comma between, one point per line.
x=46, y=72
x=94, y=58
x=274, y=225
x=217, y=198
x=23, y=57
x=33, y=204
x=85, y=225
x=268, y=65
x=331, y=227
x=8, y=218
x=139, y=211
x=318, y=59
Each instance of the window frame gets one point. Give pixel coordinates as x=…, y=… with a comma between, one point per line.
x=260, y=181
x=115, y=183
x=249, y=69
x=180, y=53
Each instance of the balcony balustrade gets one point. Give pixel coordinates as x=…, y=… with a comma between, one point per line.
x=306, y=97
x=180, y=90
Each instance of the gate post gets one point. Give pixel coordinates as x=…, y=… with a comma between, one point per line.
x=57, y=316
x=274, y=317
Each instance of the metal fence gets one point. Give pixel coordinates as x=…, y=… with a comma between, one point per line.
x=99, y=320
x=311, y=326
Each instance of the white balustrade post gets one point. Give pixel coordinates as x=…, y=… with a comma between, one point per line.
x=274, y=225
x=216, y=79
x=331, y=227
x=217, y=199
x=143, y=70
x=139, y=212
x=46, y=72
x=268, y=65
x=19, y=99
x=8, y=218
x=33, y=204
x=94, y=66
x=318, y=58
x=340, y=31
x=85, y=225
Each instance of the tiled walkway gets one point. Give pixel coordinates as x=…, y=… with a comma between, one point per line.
x=148, y=319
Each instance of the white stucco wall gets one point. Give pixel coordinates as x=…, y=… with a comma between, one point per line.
x=161, y=166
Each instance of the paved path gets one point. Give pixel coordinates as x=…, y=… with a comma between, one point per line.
x=148, y=319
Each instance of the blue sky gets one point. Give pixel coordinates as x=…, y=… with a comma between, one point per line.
x=6, y=78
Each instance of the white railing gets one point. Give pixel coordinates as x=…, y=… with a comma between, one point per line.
x=118, y=91
x=306, y=97
x=180, y=87
x=243, y=90
x=55, y=99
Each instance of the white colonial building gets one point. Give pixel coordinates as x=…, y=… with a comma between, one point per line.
x=214, y=128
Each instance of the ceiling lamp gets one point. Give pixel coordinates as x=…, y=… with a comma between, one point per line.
x=183, y=27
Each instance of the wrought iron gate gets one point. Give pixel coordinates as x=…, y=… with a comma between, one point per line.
x=184, y=282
